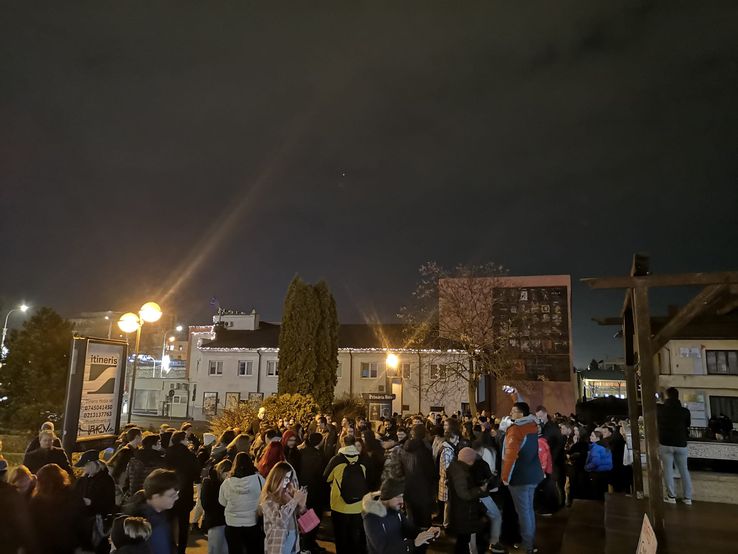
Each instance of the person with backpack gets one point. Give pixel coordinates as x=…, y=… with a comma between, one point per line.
x=347, y=477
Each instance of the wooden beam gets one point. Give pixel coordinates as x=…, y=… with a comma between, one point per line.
x=605, y=321
x=675, y=280
x=631, y=384
x=649, y=384
x=695, y=307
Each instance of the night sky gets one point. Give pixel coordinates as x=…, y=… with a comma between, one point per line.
x=185, y=151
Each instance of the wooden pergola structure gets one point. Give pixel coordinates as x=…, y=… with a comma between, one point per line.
x=720, y=289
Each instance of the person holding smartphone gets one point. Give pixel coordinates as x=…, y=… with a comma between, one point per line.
x=282, y=501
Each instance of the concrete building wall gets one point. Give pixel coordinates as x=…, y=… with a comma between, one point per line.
x=683, y=364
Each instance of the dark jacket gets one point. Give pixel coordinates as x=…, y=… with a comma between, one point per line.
x=419, y=469
x=162, y=535
x=310, y=473
x=35, y=443
x=674, y=421
x=100, y=489
x=387, y=531
x=138, y=548
x=599, y=459
x=38, y=458
x=463, y=497
x=214, y=511
x=15, y=530
x=184, y=463
x=555, y=440
x=119, y=462
x=520, y=463
x=55, y=523
x=143, y=462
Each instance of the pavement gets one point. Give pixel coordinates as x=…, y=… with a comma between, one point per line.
x=549, y=534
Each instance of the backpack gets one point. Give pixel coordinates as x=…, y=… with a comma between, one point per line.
x=353, y=485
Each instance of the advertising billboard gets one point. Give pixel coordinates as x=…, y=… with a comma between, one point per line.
x=94, y=390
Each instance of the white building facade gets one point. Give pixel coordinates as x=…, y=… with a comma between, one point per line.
x=705, y=370
x=239, y=360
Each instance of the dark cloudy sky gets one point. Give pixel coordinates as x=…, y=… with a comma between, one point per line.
x=191, y=150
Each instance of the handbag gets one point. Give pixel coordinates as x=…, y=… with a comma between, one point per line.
x=308, y=521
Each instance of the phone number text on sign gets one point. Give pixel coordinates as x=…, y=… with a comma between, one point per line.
x=94, y=416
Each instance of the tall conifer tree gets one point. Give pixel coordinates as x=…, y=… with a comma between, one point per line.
x=300, y=320
x=308, y=342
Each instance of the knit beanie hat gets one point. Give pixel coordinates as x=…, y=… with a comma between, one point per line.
x=467, y=455
x=391, y=488
x=314, y=439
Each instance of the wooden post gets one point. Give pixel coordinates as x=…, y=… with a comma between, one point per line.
x=649, y=384
x=633, y=411
x=635, y=435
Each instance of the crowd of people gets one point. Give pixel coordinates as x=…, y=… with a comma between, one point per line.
x=395, y=485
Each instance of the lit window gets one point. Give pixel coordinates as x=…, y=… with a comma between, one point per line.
x=369, y=370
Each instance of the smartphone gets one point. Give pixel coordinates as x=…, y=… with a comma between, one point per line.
x=507, y=389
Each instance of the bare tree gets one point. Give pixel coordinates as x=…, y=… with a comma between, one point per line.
x=460, y=315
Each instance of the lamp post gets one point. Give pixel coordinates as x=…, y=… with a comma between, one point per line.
x=22, y=308
x=130, y=322
x=392, y=362
x=177, y=329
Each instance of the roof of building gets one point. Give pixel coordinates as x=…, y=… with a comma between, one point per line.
x=602, y=374
x=391, y=336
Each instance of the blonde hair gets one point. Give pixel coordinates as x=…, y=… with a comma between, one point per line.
x=19, y=472
x=46, y=433
x=137, y=528
x=272, y=489
x=241, y=443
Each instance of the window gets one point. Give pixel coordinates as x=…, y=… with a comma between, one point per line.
x=245, y=368
x=272, y=367
x=215, y=368
x=405, y=371
x=438, y=371
x=727, y=405
x=368, y=370
x=722, y=362
x=339, y=370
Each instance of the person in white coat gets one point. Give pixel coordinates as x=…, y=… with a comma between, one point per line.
x=239, y=495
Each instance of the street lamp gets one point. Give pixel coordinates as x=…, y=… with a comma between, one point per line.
x=178, y=329
x=130, y=322
x=22, y=308
x=393, y=362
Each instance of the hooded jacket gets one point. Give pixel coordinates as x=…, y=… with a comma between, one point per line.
x=387, y=531
x=520, y=463
x=333, y=474
x=599, y=458
x=240, y=497
x=143, y=462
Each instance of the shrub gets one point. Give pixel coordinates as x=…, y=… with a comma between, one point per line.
x=349, y=406
x=237, y=416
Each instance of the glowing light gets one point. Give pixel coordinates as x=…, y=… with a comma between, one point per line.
x=178, y=328
x=150, y=312
x=24, y=308
x=172, y=339
x=128, y=323
x=165, y=363
x=392, y=361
